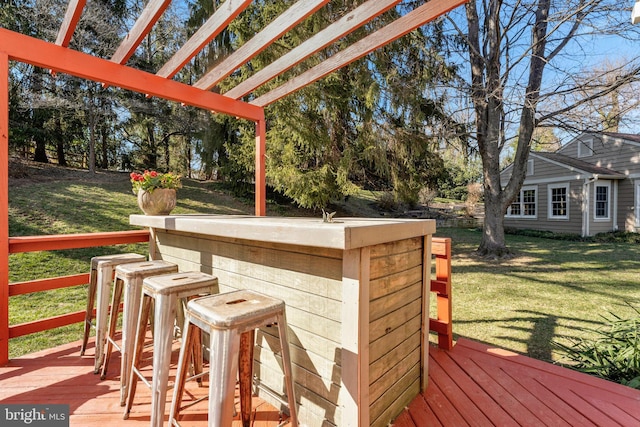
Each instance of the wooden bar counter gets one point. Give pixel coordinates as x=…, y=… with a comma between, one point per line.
x=357, y=297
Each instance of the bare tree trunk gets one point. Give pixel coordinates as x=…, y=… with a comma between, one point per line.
x=40, y=154
x=104, y=133
x=92, y=142
x=487, y=96
x=62, y=160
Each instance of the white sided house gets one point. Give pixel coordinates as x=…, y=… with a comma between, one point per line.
x=591, y=185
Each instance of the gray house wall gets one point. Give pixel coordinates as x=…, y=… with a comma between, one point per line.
x=542, y=221
x=622, y=156
x=619, y=155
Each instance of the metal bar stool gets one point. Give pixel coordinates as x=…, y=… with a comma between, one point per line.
x=228, y=317
x=129, y=278
x=165, y=291
x=100, y=279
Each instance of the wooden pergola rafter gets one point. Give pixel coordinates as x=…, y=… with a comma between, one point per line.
x=60, y=58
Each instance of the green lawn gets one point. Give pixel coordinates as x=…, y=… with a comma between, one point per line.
x=551, y=290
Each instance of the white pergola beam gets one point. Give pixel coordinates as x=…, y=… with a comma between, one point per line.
x=276, y=29
x=226, y=13
x=70, y=22
x=349, y=22
x=147, y=19
x=382, y=37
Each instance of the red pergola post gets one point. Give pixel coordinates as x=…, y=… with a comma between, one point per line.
x=261, y=181
x=4, y=208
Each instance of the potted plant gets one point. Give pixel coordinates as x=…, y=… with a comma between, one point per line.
x=156, y=191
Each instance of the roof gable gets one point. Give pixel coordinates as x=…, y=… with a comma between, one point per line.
x=577, y=164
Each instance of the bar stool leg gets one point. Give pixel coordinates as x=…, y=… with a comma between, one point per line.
x=101, y=315
x=245, y=361
x=131, y=312
x=88, y=317
x=188, y=336
x=286, y=362
x=111, y=333
x=143, y=318
x=224, y=354
x=165, y=316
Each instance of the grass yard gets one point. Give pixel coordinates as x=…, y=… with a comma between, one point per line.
x=551, y=290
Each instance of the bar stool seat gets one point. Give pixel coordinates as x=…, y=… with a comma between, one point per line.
x=129, y=279
x=165, y=291
x=100, y=280
x=228, y=318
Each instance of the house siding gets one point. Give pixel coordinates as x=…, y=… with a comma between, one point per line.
x=626, y=205
x=610, y=153
x=613, y=152
x=571, y=225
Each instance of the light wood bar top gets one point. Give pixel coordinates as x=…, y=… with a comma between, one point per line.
x=342, y=233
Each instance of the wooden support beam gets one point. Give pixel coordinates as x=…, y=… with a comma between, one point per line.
x=400, y=27
x=149, y=16
x=70, y=22
x=50, y=56
x=261, y=181
x=345, y=25
x=276, y=29
x=226, y=13
x=4, y=207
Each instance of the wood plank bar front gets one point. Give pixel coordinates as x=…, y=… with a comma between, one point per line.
x=356, y=292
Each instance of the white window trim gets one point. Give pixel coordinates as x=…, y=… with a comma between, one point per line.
x=523, y=216
x=637, y=205
x=595, y=201
x=585, y=147
x=550, y=202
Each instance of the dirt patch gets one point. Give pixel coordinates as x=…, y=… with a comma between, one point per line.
x=24, y=172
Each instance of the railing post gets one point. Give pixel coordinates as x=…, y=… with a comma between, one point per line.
x=261, y=182
x=4, y=208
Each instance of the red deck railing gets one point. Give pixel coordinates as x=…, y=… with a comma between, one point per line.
x=49, y=243
x=441, y=285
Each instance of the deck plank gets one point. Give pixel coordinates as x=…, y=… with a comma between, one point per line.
x=61, y=376
x=472, y=384
x=467, y=397
x=506, y=385
x=490, y=409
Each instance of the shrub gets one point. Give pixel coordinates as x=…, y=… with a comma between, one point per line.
x=426, y=195
x=474, y=196
x=387, y=201
x=615, y=356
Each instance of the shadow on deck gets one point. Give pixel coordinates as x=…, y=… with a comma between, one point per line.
x=473, y=384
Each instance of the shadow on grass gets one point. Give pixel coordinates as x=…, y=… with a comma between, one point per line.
x=542, y=334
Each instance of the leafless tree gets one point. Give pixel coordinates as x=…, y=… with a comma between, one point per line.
x=593, y=111
x=522, y=56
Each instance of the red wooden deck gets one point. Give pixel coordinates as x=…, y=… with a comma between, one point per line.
x=476, y=385
x=472, y=384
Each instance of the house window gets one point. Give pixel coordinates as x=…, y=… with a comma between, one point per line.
x=585, y=147
x=601, y=200
x=525, y=203
x=559, y=201
x=529, y=167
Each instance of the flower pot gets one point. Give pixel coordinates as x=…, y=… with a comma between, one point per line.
x=160, y=201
